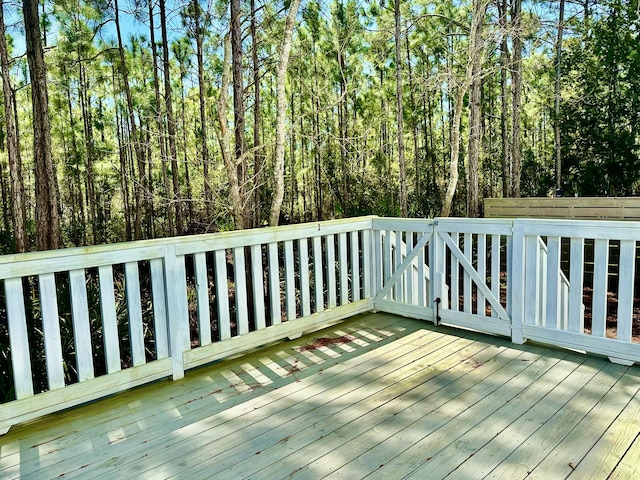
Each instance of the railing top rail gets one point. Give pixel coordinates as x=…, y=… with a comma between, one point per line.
x=602, y=229
x=406, y=224
x=35, y=263
x=502, y=226
x=245, y=238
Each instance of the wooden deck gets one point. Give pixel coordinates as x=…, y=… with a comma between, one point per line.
x=388, y=398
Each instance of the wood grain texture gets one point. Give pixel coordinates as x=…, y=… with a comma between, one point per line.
x=396, y=399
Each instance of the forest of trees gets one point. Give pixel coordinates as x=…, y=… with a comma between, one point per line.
x=131, y=119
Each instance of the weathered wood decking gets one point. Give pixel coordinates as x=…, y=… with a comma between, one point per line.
x=390, y=398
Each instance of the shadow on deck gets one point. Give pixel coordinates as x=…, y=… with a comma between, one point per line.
x=378, y=396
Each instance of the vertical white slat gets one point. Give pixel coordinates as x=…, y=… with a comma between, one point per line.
x=626, y=266
x=331, y=272
x=134, y=308
x=202, y=297
x=553, y=283
x=386, y=262
x=242, y=309
x=563, y=304
x=303, y=255
x=517, y=269
x=344, y=268
x=532, y=282
x=18, y=338
x=482, y=271
x=222, y=291
x=257, y=278
x=51, y=330
x=600, y=272
x=289, y=280
x=437, y=272
x=81, y=327
x=367, y=267
x=455, y=277
x=398, y=288
x=575, y=321
x=495, y=270
x=159, y=299
x=177, y=308
x=422, y=289
x=509, y=276
x=274, y=284
x=110, y=336
x=355, y=266
x=377, y=262
x=542, y=284
x=410, y=294
x=468, y=254
x=318, y=277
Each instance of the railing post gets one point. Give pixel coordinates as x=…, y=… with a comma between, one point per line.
x=517, y=284
x=177, y=308
x=437, y=272
x=376, y=262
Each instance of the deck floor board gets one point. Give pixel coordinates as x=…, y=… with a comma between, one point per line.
x=395, y=398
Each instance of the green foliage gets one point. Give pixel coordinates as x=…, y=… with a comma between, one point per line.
x=599, y=118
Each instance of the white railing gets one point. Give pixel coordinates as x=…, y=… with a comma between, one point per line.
x=84, y=323
x=607, y=252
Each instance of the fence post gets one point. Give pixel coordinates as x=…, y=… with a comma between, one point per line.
x=517, y=290
x=177, y=308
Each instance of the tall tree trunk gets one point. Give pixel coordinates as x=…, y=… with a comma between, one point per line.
x=133, y=128
x=414, y=124
x=399, y=115
x=18, y=210
x=504, y=102
x=475, y=133
x=316, y=137
x=258, y=154
x=474, y=55
x=237, y=204
x=240, y=150
x=47, y=216
x=556, y=119
x=164, y=159
x=281, y=113
x=516, y=83
x=199, y=34
x=85, y=102
x=171, y=122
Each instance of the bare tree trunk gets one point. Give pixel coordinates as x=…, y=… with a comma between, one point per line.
x=199, y=34
x=281, y=113
x=133, y=129
x=171, y=123
x=414, y=124
x=258, y=155
x=556, y=120
x=399, y=113
x=47, y=216
x=475, y=136
x=474, y=55
x=160, y=125
x=18, y=210
x=504, y=107
x=85, y=102
x=240, y=150
x=516, y=154
x=237, y=204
